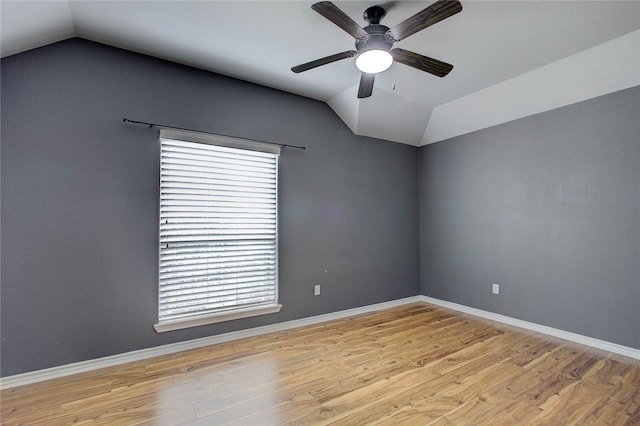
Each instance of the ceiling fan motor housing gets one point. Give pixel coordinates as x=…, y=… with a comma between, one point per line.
x=376, y=41
x=374, y=14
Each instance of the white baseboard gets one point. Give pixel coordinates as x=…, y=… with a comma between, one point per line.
x=110, y=361
x=566, y=335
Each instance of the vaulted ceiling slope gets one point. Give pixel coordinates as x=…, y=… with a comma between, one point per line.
x=511, y=58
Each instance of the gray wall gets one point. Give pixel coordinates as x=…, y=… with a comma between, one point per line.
x=80, y=201
x=548, y=207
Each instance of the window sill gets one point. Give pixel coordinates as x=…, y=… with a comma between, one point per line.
x=214, y=318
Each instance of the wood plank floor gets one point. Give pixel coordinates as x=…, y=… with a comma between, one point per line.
x=417, y=364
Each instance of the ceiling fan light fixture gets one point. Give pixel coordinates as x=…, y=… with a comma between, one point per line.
x=374, y=61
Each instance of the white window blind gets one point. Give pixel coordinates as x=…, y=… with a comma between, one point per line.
x=218, y=232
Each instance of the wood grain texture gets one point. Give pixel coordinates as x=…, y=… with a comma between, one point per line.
x=416, y=364
x=341, y=19
x=442, y=9
x=324, y=61
x=365, y=89
x=421, y=62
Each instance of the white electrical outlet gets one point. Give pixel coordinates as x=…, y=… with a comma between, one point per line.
x=316, y=290
x=496, y=288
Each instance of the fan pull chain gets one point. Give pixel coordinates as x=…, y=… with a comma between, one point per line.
x=393, y=79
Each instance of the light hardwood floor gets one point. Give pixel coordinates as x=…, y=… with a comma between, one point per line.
x=417, y=364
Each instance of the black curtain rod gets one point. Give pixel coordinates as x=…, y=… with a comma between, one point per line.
x=151, y=125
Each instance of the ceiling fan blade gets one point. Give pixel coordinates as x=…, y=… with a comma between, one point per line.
x=423, y=63
x=366, y=85
x=438, y=11
x=324, y=61
x=338, y=17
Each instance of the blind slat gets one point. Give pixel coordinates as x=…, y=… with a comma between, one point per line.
x=201, y=296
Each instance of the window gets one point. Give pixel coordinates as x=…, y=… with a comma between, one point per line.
x=218, y=229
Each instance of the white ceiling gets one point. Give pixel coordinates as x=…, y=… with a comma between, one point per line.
x=528, y=49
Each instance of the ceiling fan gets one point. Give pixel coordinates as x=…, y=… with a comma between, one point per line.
x=374, y=42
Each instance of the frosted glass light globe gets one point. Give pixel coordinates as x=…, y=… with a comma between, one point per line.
x=374, y=61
